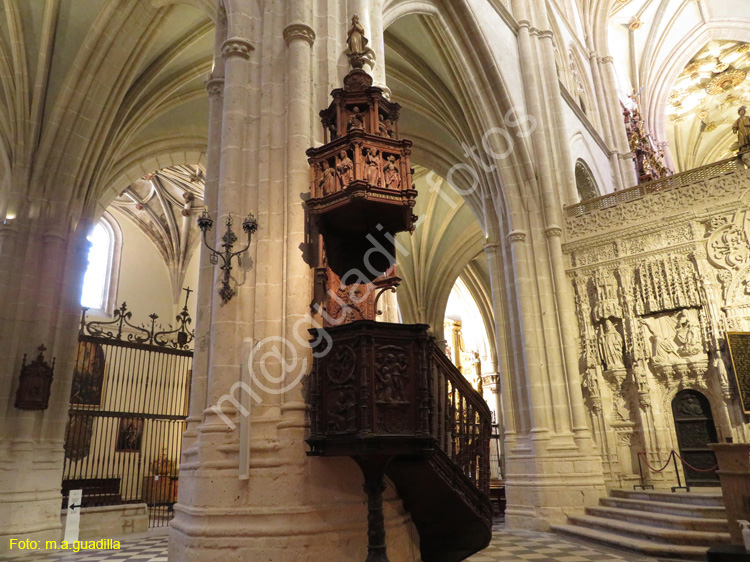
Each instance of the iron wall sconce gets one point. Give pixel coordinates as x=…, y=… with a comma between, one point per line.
x=249, y=225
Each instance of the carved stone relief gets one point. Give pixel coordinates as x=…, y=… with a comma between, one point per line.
x=658, y=279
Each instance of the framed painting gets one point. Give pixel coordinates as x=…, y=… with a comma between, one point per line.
x=88, y=376
x=129, y=435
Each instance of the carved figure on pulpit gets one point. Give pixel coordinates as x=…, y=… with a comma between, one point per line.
x=392, y=174
x=610, y=342
x=372, y=166
x=687, y=336
x=382, y=127
x=327, y=183
x=356, y=121
x=344, y=169
x=389, y=128
x=741, y=128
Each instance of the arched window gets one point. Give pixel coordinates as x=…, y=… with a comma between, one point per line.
x=585, y=182
x=100, y=281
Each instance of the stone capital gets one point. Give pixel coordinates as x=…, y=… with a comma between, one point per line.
x=516, y=236
x=553, y=231
x=299, y=30
x=606, y=60
x=491, y=247
x=236, y=47
x=215, y=86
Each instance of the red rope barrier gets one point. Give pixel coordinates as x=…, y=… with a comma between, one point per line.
x=643, y=456
x=712, y=469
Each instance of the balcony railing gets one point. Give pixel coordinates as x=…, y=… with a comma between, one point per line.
x=670, y=182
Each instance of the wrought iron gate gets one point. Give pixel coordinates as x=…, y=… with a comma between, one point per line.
x=128, y=405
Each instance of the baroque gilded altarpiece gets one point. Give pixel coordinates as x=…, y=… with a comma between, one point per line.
x=660, y=273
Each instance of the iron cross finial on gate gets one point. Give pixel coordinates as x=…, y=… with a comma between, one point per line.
x=188, y=290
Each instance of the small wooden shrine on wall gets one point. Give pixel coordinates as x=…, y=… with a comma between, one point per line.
x=361, y=197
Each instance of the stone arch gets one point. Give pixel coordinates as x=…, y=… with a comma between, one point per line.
x=581, y=83
x=393, y=10
x=148, y=158
x=451, y=25
x=714, y=399
x=206, y=6
x=585, y=182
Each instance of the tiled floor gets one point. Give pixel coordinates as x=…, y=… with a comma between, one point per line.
x=506, y=546
x=514, y=546
x=152, y=548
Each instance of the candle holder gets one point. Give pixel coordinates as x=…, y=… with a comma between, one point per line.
x=249, y=225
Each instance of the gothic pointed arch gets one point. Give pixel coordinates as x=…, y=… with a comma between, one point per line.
x=585, y=182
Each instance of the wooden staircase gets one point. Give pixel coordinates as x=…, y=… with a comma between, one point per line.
x=386, y=395
x=677, y=526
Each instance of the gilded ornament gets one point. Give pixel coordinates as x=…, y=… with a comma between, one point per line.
x=726, y=81
x=635, y=24
x=692, y=67
x=720, y=67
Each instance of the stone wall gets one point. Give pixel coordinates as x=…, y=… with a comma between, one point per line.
x=660, y=273
x=111, y=521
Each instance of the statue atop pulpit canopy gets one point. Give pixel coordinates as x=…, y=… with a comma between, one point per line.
x=358, y=52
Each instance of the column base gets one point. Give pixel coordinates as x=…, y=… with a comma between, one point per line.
x=298, y=533
x=542, y=489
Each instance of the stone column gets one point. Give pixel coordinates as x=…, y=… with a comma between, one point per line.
x=559, y=455
x=249, y=491
x=610, y=85
x=503, y=386
x=608, y=121
x=41, y=294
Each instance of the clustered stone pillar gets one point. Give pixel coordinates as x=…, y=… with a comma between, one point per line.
x=248, y=491
x=41, y=272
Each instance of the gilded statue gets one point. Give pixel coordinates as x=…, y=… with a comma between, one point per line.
x=344, y=169
x=391, y=173
x=372, y=166
x=741, y=128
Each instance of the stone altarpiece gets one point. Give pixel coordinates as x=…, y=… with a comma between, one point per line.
x=659, y=278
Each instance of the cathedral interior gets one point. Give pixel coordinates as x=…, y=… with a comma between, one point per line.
x=383, y=280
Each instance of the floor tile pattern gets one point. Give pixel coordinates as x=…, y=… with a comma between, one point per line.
x=506, y=546
x=515, y=546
